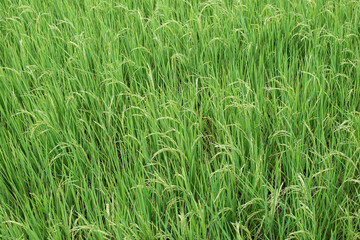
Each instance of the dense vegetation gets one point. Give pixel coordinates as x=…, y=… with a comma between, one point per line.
x=167, y=119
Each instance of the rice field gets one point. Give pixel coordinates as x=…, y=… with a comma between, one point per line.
x=180, y=119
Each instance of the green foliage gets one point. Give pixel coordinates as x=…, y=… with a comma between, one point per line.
x=144, y=119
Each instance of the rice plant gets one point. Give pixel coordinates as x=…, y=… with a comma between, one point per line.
x=180, y=119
